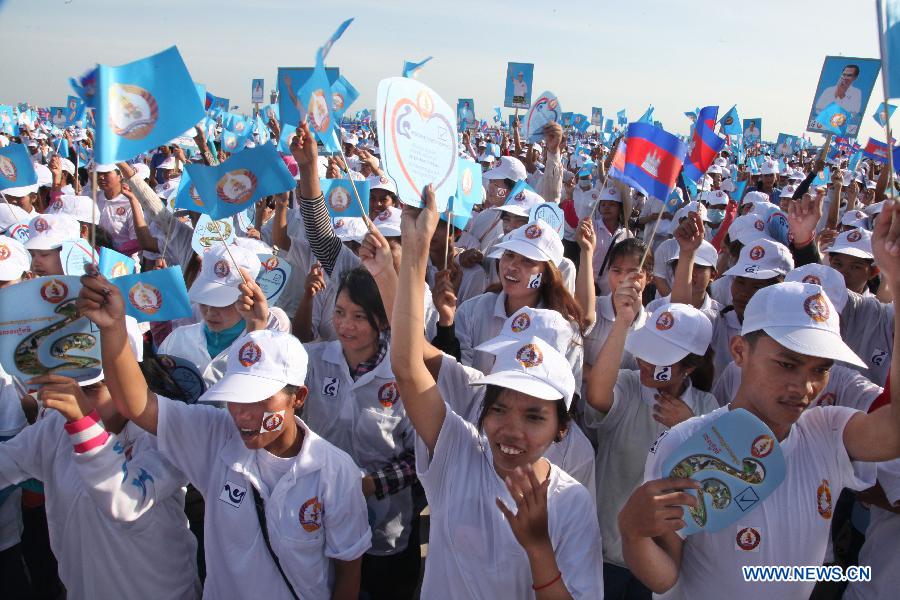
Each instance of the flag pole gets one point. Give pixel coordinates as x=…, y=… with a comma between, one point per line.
x=879, y=4
x=447, y=241
x=362, y=208
x=649, y=243
x=93, y=210
x=218, y=228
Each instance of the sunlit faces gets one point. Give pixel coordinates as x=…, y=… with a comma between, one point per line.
x=784, y=382
x=516, y=272
x=46, y=262
x=25, y=202
x=519, y=429
x=108, y=180
x=743, y=288
x=701, y=277
x=248, y=418
x=219, y=318
x=379, y=201
x=609, y=210
x=353, y=326
x=621, y=268
x=856, y=271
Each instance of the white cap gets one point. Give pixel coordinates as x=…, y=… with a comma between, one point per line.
x=762, y=259
x=44, y=176
x=830, y=279
x=532, y=367
x=75, y=206
x=21, y=192
x=260, y=363
x=526, y=323
x=854, y=242
x=350, y=228
x=873, y=209
x=382, y=182
x=105, y=168
x=788, y=191
x=522, y=203
x=388, y=221
x=706, y=256
x=692, y=206
x=755, y=196
x=67, y=165
x=254, y=245
x=167, y=163
x=669, y=334
x=714, y=169
x=217, y=284
x=796, y=175
x=855, y=218
x=14, y=259
x=769, y=168
x=800, y=317
x=507, y=168
x=537, y=241
x=610, y=192
x=50, y=231
x=142, y=170
x=747, y=228
x=10, y=214
x=488, y=158
x=714, y=198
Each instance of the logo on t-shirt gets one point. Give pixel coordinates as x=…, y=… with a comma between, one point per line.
x=823, y=499
x=747, y=539
x=762, y=446
x=827, y=399
x=656, y=442
x=520, y=323
x=388, y=394
x=330, y=386
x=232, y=494
x=878, y=357
x=311, y=514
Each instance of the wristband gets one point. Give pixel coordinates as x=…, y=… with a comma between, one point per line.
x=537, y=588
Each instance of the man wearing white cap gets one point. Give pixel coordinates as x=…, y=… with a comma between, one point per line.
x=851, y=254
x=288, y=499
x=48, y=234
x=382, y=194
x=664, y=253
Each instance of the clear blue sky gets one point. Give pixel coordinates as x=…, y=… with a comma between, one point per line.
x=765, y=56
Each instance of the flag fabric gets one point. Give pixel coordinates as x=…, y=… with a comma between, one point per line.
x=316, y=98
x=706, y=144
x=74, y=110
x=343, y=94
x=340, y=199
x=653, y=159
x=228, y=188
x=622, y=119
x=16, y=168
x=731, y=122
x=468, y=190
x=323, y=51
x=143, y=105
x=647, y=117
x=158, y=295
x=879, y=115
x=691, y=115
x=834, y=118
x=86, y=86
x=854, y=161
x=608, y=128
x=822, y=177
x=876, y=150
x=113, y=264
x=889, y=30
x=411, y=69
x=498, y=116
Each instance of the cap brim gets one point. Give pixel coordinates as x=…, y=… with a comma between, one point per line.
x=40, y=242
x=740, y=271
x=242, y=388
x=653, y=349
x=494, y=344
x=520, y=247
x=815, y=342
x=522, y=382
x=851, y=252
x=213, y=294
x=497, y=173
x=513, y=209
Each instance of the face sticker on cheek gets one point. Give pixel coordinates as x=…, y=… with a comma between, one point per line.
x=272, y=421
x=534, y=282
x=662, y=374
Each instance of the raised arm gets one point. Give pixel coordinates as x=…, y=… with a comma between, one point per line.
x=421, y=398
x=102, y=303
x=584, y=275
x=689, y=235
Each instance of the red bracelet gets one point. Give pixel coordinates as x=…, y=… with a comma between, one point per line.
x=548, y=584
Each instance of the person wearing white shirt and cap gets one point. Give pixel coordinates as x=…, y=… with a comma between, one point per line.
x=115, y=209
x=851, y=254
x=789, y=340
x=704, y=272
x=82, y=208
x=484, y=227
x=382, y=194
x=609, y=228
x=24, y=197
x=285, y=516
x=667, y=250
x=48, y=234
x=550, y=543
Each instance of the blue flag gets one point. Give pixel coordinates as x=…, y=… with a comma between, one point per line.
x=498, y=116
x=823, y=177
x=112, y=264
x=731, y=122
x=883, y=114
x=889, y=30
x=143, y=105
x=316, y=98
x=706, y=144
x=854, y=161
x=834, y=118
x=468, y=187
x=16, y=168
x=74, y=110
x=322, y=52
x=158, y=295
x=647, y=117
x=623, y=120
x=411, y=69
x=244, y=178
x=343, y=94
x=340, y=199
x=608, y=128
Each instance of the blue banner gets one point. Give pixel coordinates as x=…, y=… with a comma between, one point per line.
x=158, y=295
x=16, y=168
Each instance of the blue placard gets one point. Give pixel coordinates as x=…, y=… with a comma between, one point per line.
x=75, y=255
x=737, y=461
x=187, y=383
x=257, y=91
x=273, y=276
x=546, y=108
x=847, y=81
x=752, y=131
x=519, y=77
x=158, y=295
x=465, y=113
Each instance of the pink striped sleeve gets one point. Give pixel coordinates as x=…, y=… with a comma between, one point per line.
x=87, y=433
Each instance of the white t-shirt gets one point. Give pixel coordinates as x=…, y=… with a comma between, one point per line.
x=624, y=434
x=790, y=527
x=316, y=512
x=472, y=552
x=867, y=325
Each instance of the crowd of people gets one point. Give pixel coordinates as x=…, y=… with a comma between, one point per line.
x=435, y=412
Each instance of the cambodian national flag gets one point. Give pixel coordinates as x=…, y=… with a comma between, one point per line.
x=876, y=150
x=706, y=144
x=653, y=159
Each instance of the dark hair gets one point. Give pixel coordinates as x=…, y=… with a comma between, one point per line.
x=492, y=394
x=291, y=390
x=630, y=247
x=363, y=291
x=855, y=69
x=704, y=369
x=754, y=336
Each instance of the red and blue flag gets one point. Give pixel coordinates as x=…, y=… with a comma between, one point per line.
x=876, y=150
x=653, y=159
x=706, y=144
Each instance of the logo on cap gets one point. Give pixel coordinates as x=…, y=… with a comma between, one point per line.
x=812, y=279
x=762, y=446
x=221, y=268
x=4, y=252
x=145, y=298
x=757, y=252
x=529, y=356
x=823, y=499
x=41, y=225
x=311, y=514
x=54, y=291
x=236, y=186
x=533, y=231
x=759, y=225
x=520, y=196
x=133, y=111
x=817, y=307
x=665, y=321
x=249, y=354
x=388, y=394
x=854, y=236
x=520, y=323
x=120, y=211
x=8, y=169
x=747, y=539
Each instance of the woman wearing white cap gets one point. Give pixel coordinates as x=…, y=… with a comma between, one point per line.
x=550, y=546
x=285, y=517
x=630, y=408
x=111, y=494
x=115, y=209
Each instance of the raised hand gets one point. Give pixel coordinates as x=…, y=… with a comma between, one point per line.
x=655, y=508
x=529, y=524
x=689, y=233
x=627, y=298
x=252, y=304
x=417, y=225
x=803, y=218
x=444, y=297
x=375, y=253
x=303, y=147
x=62, y=394
x=315, y=281
x=100, y=301
x=585, y=236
